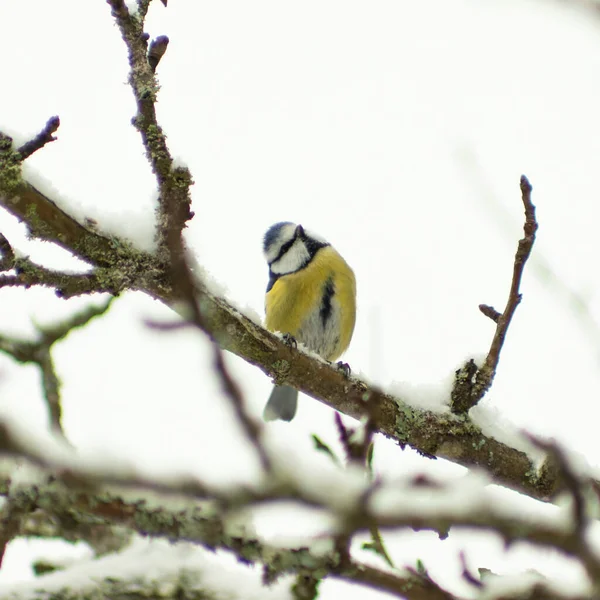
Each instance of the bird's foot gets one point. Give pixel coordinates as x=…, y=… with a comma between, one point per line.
x=289, y=340
x=344, y=368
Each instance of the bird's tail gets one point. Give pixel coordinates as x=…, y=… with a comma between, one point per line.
x=282, y=404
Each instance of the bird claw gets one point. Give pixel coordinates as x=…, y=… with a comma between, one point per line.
x=289, y=340
x=344, y=368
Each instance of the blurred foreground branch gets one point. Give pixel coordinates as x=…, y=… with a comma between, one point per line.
x=186, y=509
x=39, y=352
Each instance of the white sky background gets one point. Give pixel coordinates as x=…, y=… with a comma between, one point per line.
x=398, y=131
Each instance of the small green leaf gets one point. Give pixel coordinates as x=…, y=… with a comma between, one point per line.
x=323, y=447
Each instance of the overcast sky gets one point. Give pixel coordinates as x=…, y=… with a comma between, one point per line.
x=398, y=131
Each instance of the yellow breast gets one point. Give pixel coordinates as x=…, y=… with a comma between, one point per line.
x=293, y=303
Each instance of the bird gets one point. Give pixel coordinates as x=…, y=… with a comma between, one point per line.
x=310, y=298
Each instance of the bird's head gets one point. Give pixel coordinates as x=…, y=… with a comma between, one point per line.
x=289, y=247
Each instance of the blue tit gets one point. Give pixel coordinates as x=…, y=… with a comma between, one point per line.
x=311, y=296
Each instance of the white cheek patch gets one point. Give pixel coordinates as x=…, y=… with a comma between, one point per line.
x=295, y=258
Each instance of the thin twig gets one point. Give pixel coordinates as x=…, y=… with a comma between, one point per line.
x=58, y=331
x=486, y=373
x=40, y=353
x=41, y=139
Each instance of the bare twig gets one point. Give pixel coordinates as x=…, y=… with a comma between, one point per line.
x=39, y=353
x=486, y=373
x=54, y=333
x=158, y=47
x=41, y=139
x=488, y=370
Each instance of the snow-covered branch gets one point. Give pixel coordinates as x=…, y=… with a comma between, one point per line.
x=443, y=434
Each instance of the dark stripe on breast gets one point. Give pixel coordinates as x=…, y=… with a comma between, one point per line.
x=326, y=306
